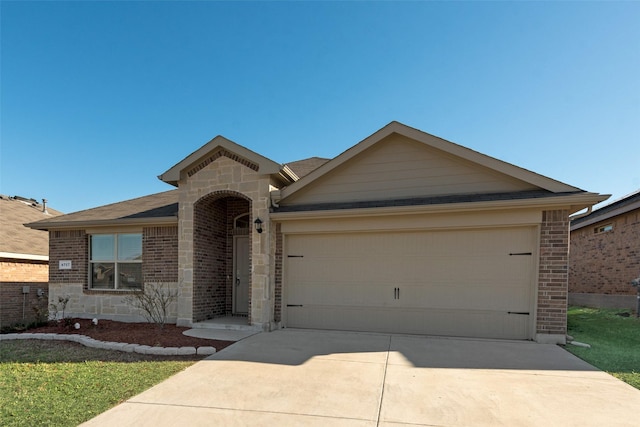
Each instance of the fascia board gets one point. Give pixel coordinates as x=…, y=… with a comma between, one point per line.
x=67, y=225
x=31, y=257
x=573, y=203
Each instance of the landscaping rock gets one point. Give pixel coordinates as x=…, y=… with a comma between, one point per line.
x=206, y=350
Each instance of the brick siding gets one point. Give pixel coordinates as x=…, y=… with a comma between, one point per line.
x=160, y=254
x=15, y=270
x=209, y=253
x=213, y=254
x=68, y=245
x=16, y=307
x=606, y=262
x=160, y=265
x=552, y=274
x=277, y=309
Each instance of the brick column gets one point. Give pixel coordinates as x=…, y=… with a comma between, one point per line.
x=551, y=324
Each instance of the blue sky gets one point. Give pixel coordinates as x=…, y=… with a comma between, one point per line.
x=98, y=98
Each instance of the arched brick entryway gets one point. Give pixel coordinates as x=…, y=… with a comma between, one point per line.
x=214, y=228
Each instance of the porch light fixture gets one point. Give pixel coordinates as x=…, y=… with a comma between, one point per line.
x=258, y=224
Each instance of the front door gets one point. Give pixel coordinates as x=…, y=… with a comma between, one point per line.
x=241, y=272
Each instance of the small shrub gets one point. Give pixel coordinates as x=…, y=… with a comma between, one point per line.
x=61, y=306
x=154, y=302
x=40, y=316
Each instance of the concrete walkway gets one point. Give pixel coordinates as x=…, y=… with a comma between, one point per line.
x=321, y=378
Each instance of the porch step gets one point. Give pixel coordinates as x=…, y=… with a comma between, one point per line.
x=227, y=323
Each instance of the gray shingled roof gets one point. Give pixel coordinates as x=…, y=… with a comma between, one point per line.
x=149, y=209
x=615, y=208
x=306, y=166
x=423, y=201
x=15, y=238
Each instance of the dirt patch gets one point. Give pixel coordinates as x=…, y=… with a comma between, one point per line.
x=131, y=333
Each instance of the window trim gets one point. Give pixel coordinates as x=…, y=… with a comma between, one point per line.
x=606, y=228
x=115, y=261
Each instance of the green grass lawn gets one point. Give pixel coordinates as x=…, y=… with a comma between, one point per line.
x=44, y=383
x=614, y=340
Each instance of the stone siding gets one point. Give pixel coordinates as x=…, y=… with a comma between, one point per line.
x=225, y=177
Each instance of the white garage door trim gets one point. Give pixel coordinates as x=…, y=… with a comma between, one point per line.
x=469, y=282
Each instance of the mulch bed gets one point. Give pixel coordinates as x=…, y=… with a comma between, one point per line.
x=133, y=333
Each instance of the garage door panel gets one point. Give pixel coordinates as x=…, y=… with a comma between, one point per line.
x=463, y=297
x=356, y=294
x=412, y=321
x=457, y=282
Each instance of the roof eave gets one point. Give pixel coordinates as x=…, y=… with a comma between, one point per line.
x=67, y=225
x=573, y=203
x=30, y=257
x=595, y=218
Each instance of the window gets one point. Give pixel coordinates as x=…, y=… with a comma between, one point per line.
x=241, y=225
x=115, y=261
x=603, y=228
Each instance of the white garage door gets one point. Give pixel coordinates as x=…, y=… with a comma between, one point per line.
x=472, y=283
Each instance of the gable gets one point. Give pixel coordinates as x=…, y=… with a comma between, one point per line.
x=222, y=147
x=399, y=167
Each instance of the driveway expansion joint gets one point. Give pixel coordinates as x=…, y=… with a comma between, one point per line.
x=118, y=346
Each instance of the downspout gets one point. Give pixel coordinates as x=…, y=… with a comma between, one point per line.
x=274, y=196
x=589, y=209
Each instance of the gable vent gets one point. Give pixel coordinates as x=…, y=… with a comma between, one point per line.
x=210, y=159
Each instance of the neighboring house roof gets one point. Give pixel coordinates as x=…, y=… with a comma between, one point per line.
x=16, y=240
x=221, y=146
x=615, y=208
x=306, y=166
x=159, y=208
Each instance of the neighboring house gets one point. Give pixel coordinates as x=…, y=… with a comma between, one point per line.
x=403, y=232
x=24, y=260
x=605, y=255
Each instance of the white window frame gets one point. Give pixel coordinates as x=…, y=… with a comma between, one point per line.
x=114, y=261
x=604, y=228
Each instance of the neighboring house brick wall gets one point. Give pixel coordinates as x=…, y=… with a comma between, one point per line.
x=605, y=263
x=552, y=273
x=15, y=306
x=14, y=270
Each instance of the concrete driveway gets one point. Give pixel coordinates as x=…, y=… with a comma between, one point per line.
x=324, y=378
